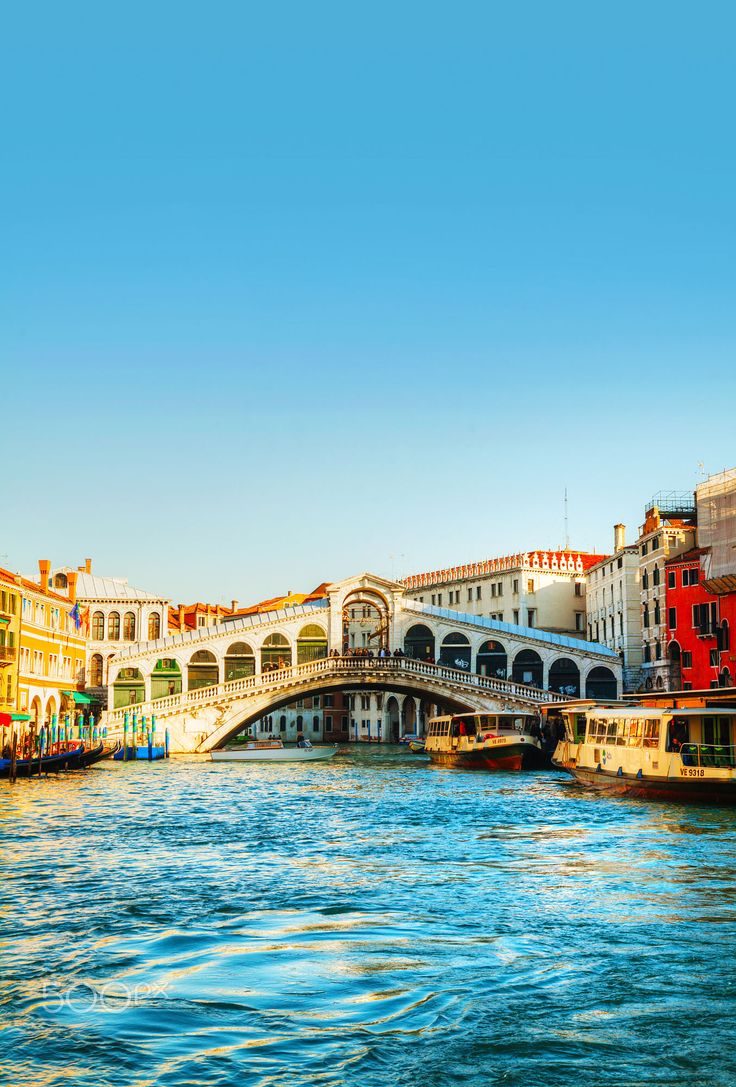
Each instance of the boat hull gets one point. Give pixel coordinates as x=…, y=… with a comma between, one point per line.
x=515, y=755
x=690, y=790
x=48, y=764
x=282, y=754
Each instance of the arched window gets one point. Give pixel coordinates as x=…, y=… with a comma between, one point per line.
x=129, y=627
x=203, y=670
x=282, y=723
x=315, y=723
x=527, y=668
x=645, y=580
x=655, y=576
x=491, y=660
x=60, y=581
x=113, y=626
x=311, y=644
x=98, y=627
x=564, y=676
x=455, y=652
x=419, y=643
x=154, y=626
x=276, y=653
x=95, y=670
x=240, y=662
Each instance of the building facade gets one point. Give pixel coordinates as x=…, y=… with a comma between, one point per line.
x=693, y=626
x=716, y=505
x=669, y=530
x=53, y=649
x=537, y=589
x=614, y=606
x=10, y=612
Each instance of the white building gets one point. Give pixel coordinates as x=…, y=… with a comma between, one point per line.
x=544, y=589
x=117, y=614
x=614, y=606
x=669, y=530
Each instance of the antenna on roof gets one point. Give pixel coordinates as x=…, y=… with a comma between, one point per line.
x=567, y=537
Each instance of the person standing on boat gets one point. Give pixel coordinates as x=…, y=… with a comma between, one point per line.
x=300, y=740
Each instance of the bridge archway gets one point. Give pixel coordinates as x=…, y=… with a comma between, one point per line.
x=564, y=676
x=455, y=651
x=528, y=668
x=419, y=643
x=203, y=670
x=275, y=653
x=492, y=660
x=240, y=661
x=166, y=678
x=408, y=715
x=365, y=620
x=129, y=687
x=311, y=644
x=600, y=683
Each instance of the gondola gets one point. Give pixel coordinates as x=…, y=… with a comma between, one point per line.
x=97, y=754
x=42, y=764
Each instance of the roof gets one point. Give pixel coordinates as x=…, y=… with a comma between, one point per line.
x=291, y=600
x=652, y=711
x=693, y=555
x=533, y=633
x=93, y=587
x=17, y=581
x=558, y=562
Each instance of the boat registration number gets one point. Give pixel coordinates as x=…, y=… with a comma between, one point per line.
x=692, y=772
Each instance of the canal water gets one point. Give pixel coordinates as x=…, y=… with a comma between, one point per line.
x=371, y=921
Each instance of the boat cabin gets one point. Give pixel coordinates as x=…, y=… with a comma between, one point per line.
x=701, y=737
x=475, y=724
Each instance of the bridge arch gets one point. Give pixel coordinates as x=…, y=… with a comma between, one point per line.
x=564, y=676
x=240, y=661
x=275, y=652
x=166, y=678
x=600, y=683
x=491, y=659
x=419, y=643
x=203, y=670
x=455, y=651
x=129, y=687
x=528, y=668
x=311, y=643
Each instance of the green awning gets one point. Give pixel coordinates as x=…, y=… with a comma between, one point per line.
x=20, y=716
x=4, y=619
x=79, y=698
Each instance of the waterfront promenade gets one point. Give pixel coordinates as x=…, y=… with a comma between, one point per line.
x=380, y=921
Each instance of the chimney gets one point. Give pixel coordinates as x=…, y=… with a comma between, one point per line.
x=44, y=568
x=619, y=537
x=71, y=581
x=182, y=618
x=234, y=605
x=88, y=566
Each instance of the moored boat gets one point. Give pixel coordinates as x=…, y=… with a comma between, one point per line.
x=42, y=764
x=486, y=741
x=652, y=752
x=272, y=751
x=417, y=746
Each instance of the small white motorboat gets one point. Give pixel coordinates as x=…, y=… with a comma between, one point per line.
x=272, y=751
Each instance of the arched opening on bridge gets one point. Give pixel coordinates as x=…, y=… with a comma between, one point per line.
x=419, y=643
x=240, y=661
x=601, y=684
x=455, y=652
x=408, y=716
x=393, y=720
x=492, y=660
x=165, y=678
x=674, y=656
x=203, y=670
x=527, y=668
x=311, y=644
x=36, y=714
x=275, y=653
x=50, y=710
x=365, y=621
x=564, y=676
x=128, y=688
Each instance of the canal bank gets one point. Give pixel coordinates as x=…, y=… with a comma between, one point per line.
x=382, y=921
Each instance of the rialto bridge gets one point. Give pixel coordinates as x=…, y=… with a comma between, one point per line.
x=206, y=685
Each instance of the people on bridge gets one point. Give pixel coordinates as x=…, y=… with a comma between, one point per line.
x=398, y=652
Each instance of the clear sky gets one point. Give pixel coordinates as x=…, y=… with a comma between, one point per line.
x=290, y=291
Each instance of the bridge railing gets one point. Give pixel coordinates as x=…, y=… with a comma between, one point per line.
x=327, y=666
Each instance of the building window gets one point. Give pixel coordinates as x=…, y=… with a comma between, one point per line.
x=531, y=617
x=113, y=626
x=714, y=658
x=687, y=659
x=516, y=585
x=645, y=616
x=439, y=600
x=648, y=653
x=620, y=563
x=98, y=627
x=579, y=621
x=500, y=588
x=530, y=585
x=129, y=627
x=655, y=576
x=672, y=618
x=478, y=592
x=671, y=579
x=578, y=588
x=516, y=616
x=154, y=626
x=644, y=549
x=645, y=580
x=658, y=651
x=470, y=596
x=328, y=723
x=329, y=700
x=657, y=618
x=95, y=670
x=433, y=598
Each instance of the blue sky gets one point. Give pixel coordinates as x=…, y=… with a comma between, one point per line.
x=289, y=292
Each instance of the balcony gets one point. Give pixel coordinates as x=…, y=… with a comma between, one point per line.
x=7, y=655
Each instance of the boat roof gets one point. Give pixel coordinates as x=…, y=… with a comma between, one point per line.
x=484, y=713
x=658, y=711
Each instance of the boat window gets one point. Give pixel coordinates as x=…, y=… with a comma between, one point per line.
x=622, y=733
x=505, y=722
x=519, y=724
x=611, y=729
x=716, y=731
x=636, y=731
x=651, y=733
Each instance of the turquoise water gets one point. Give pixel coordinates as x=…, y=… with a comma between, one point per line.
x=370, y=921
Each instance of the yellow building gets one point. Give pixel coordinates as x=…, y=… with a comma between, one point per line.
x=52, y=650
x=10, y=608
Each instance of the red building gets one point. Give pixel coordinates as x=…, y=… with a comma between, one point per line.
x=698, y=627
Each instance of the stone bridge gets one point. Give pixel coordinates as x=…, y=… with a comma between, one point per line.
x=206, y=685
